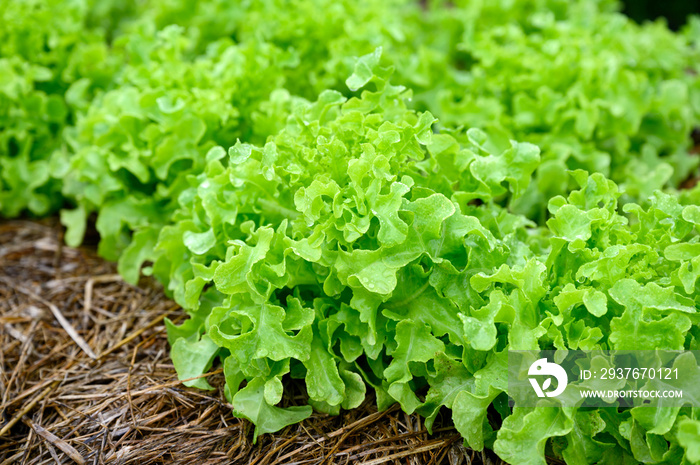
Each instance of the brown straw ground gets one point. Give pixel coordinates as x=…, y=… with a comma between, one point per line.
x=85, y=377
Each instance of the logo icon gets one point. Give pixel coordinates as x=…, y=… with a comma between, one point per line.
x=544, y=368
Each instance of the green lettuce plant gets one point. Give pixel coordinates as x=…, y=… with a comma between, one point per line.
x=51, y=63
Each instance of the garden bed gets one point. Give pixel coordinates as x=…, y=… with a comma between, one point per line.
x=61, y=405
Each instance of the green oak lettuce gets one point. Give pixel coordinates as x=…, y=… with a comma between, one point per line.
x=51, y=63
x=359, y=255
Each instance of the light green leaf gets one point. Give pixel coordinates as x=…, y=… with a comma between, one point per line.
x=250, y=403
x=689, y=438
x=524, y=434
x=199, y=243
x=194, y=358
x=75, y=222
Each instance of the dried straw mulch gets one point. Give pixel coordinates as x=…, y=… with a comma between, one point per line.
x=85, y=377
